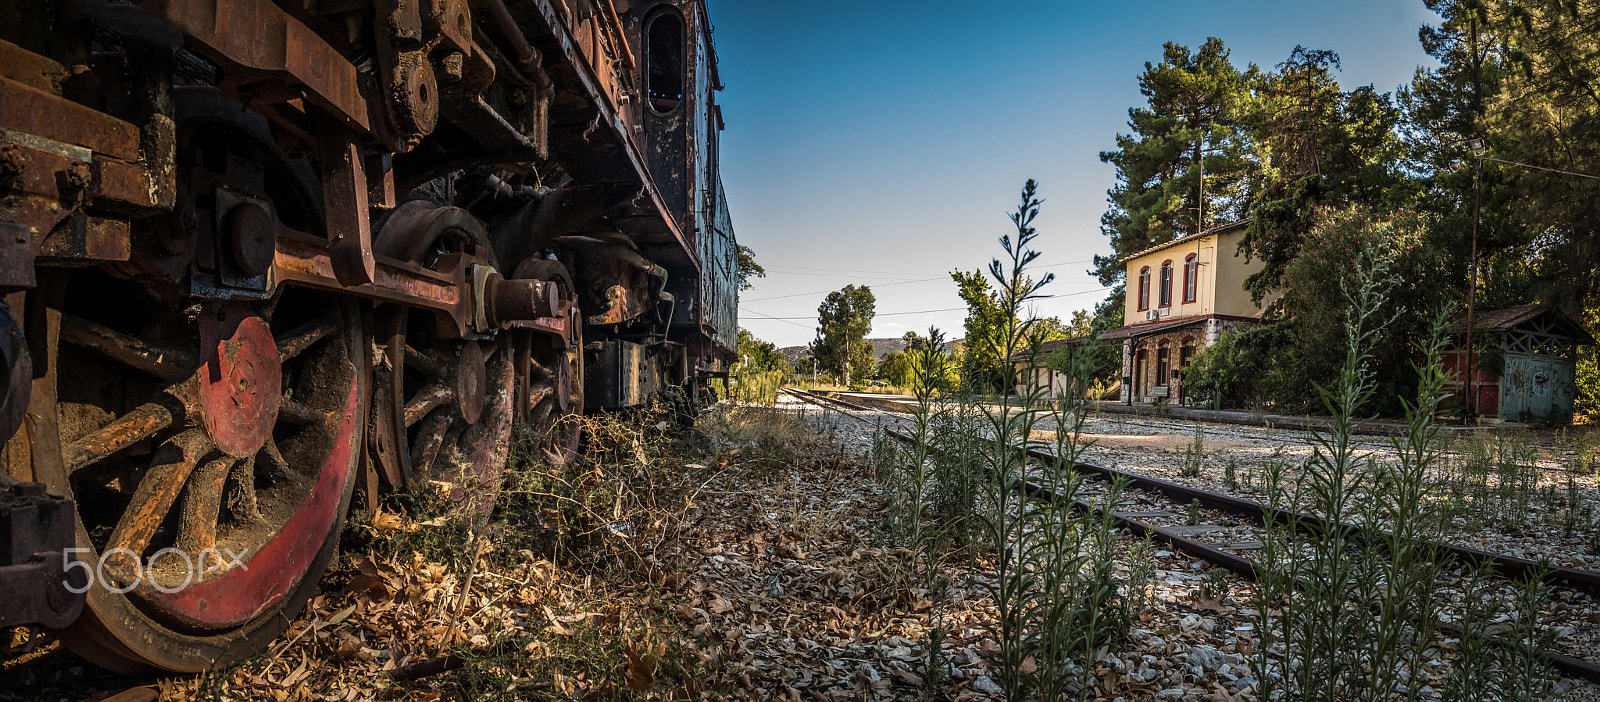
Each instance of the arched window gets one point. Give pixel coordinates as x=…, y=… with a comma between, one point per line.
x=664, y=62
x=1166, y=283
x=1144, y=288
x=1191, y=277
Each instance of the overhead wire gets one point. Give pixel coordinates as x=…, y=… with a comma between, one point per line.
x=901, y=282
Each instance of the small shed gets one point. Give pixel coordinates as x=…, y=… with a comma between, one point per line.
x=1526, y=368
x=1032, y=373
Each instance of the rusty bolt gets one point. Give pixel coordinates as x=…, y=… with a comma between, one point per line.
x=77, y=175
x=11, y=161
x=452, y=65
x=252, y=229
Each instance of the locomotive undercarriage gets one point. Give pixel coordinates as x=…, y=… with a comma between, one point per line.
x=257, y=256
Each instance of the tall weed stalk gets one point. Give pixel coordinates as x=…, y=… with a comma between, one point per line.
x=1350, y=613
x=1058, y=602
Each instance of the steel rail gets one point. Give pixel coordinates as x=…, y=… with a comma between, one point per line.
x=1569, y=665
x=1504, y=564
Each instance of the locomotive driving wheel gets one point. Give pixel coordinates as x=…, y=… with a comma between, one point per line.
x=210, y=443
x=549, y=398
x=447, y=397
x=211, y=479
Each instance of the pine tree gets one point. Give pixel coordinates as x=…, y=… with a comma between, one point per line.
x=1525, y=77
x=1319, y=146
x=1186, y=165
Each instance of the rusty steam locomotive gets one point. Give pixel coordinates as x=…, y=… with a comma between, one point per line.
x=259, y=256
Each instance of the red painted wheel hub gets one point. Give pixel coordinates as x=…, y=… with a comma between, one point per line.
x=239, y=382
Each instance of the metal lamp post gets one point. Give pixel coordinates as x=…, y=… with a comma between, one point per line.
x=1479, y=149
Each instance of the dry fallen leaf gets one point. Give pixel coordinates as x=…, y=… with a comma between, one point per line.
x=641, y=668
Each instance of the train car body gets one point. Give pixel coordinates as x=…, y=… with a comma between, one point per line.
x=259, y=258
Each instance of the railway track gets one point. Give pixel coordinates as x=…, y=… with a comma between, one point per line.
x=1178, y=537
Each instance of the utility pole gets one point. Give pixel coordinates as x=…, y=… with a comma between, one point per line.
x=1200, y=202
x=1479, y=149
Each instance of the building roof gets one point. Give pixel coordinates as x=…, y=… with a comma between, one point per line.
x=1047, y=348
x=1186, y=239
x=1139, y=330
x=1508, y=317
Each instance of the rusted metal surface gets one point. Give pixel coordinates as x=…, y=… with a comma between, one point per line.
x=471, y=382
x=278, y=567
x=426, y=400
x=251, y=229
x=305, y=260
x=35, y=531
x=387, y=429
x=37, y=72
x=426, y=363
x=344, y=194
x=16, y=376
x=260, y=41
x=16, y=258
x=141, y=423
x=86, y=187
x=431, y=436
x=296, y=342
x=197, y=521
x=240, y=379
x=29, y=110
x=170, y=467
x=475, y=466
x=169, y=364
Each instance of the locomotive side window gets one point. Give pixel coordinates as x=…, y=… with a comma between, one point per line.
x=664, y=62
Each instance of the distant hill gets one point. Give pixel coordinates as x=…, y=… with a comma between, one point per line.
x=880, y=348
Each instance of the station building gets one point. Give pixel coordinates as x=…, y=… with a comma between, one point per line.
x=1182, y=296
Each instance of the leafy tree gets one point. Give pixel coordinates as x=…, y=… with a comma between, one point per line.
x=1186, y=164
x=1525, y=77
x=1104, y=360
x=1315, y=303
x=1052, y=329
x=843, y=320
x=1521, y=75
x=912, y=340
x=748, y=268
x=984, y=359
x=895, y=367
x=760, y=355
x=1318, y=146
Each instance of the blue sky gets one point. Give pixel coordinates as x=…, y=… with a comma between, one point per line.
x=883, y=143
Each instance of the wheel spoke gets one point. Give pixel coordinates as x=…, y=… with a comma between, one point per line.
x=202, y=502
x=295, y=413
x=430, y=437
x=426, y=363
x=241, y=496
x=143, y=422
x=539, y=391
x=167, y=364
x=296, y=342
x=426, y=400
x=277, y=466
x=158, y=490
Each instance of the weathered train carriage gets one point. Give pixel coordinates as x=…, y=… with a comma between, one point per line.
x=258, y=256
